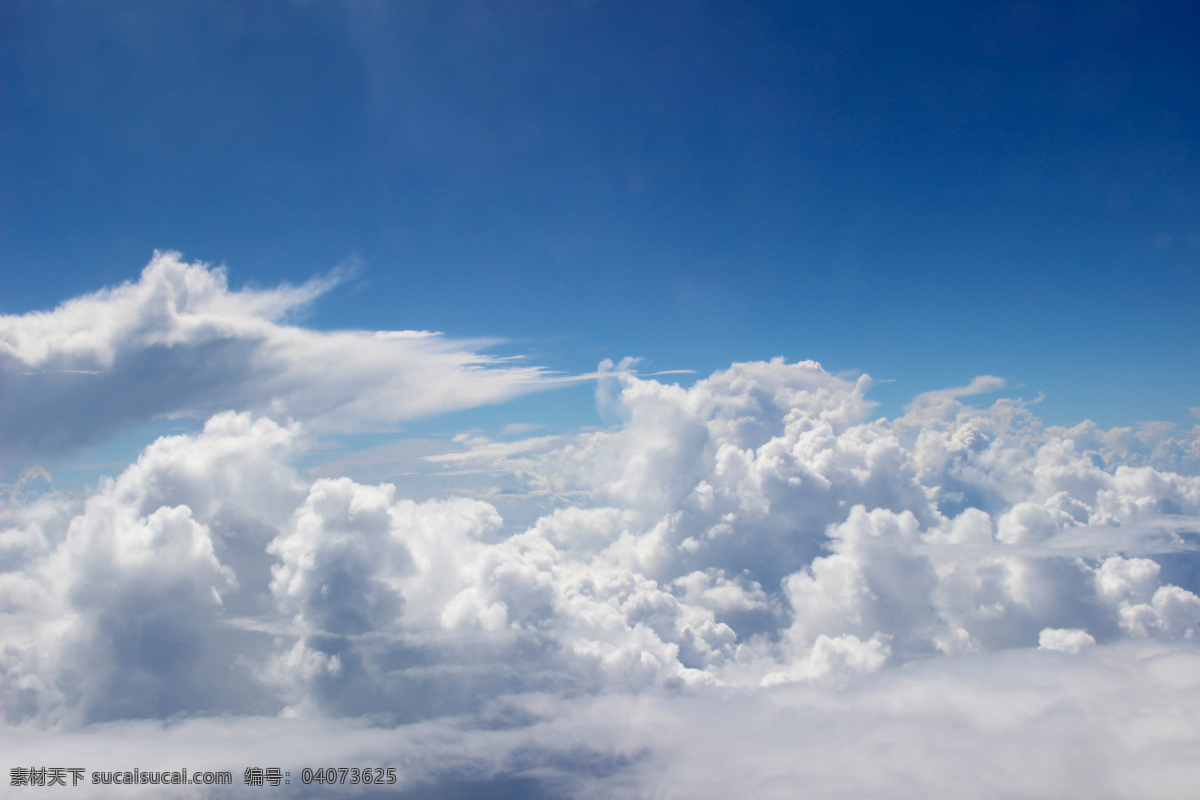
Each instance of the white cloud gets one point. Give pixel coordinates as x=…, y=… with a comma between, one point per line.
x=179, y=341
x=1066, y=640
x=959, y=601
x=982, y=384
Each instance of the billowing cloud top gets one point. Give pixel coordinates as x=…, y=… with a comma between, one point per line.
x=179, y=341
x=731, y=569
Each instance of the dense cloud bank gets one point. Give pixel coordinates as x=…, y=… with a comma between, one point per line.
x=179, y=341
x=741, y=588
x=1117, y=721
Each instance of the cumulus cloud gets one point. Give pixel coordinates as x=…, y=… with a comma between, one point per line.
x=180, y=341
x=737, y=588
x=1067, y=640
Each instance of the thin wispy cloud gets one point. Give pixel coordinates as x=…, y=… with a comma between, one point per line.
x=179, y=341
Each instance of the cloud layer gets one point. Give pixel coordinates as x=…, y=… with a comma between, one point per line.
x=754, y=565
x=725, y=561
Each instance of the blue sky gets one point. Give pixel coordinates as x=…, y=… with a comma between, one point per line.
x=925, y=192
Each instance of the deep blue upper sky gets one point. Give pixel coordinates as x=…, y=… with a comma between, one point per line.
x=924, y=191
